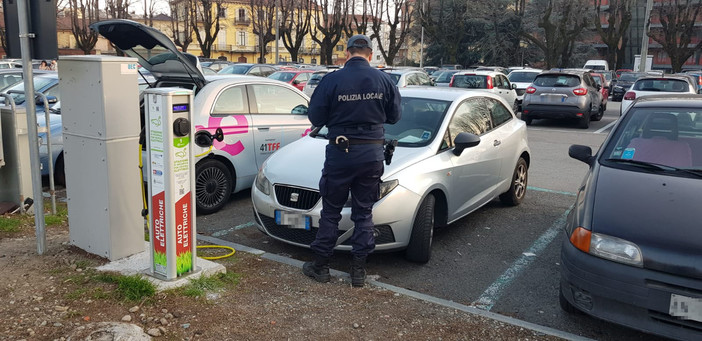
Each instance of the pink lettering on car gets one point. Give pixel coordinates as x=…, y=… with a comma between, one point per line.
x=241, y=127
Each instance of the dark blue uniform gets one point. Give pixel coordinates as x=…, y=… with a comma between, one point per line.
x=353, y=102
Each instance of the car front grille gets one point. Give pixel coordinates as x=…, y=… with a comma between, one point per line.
x=665, y=318
x=295, y=197
x=384, y=233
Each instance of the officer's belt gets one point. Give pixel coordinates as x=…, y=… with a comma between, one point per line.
x=355, y=129
x=358, y=141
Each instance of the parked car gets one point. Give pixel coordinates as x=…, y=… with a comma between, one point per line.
x=597, y=64
x=298, y=78
x=522, y=78
x=624, y=83
x=443, y=77
x=442, y=131
x=500, y=69
x=261, y=70
x=216, y=64
x=600, y=79
x=9, y=77
x=697, y=75
x=430, y=69
x=620, y=71
x=490, y=81
x=258, y=115
x=563, y=95
x=656, y=85
x=409, y=77
x=631, y=252
x=314, y=80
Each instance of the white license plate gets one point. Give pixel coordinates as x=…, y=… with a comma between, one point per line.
x=293, y=220
x=687, y=308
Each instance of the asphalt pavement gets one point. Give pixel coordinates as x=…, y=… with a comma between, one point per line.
x=500, y=259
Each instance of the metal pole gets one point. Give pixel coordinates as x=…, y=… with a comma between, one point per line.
x=47, y=119
x=421, y=48
x=277, y=30
x=31, y=124
x=643, y=60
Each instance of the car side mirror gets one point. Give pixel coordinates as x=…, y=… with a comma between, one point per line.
x=599, y=87
x=296, y=82
x=465, y=140
x=299, y=110
x=50, y=99
x=582, y=153
x=514, y=86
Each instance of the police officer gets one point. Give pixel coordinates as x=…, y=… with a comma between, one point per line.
x=354, y=103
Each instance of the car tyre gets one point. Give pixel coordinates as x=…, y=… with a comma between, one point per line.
x=60, y=171
x=518, y=187
x=527, y=120
x=565, y=305
x=584, y=122
x=515, y=106
x=600, y=114
x=419, y=248
x=213, y=186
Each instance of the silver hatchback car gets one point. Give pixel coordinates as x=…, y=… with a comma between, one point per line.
x=457, y=150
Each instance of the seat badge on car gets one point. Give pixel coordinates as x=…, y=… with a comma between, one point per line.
x=554, y=89
x=294, y=197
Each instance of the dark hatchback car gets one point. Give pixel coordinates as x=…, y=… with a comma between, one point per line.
x=567, y=94
x=632, y=252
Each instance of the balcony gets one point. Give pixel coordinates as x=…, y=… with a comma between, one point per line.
x=221, y=47
x=243, y=49
x=308, y=50
x=242, y=21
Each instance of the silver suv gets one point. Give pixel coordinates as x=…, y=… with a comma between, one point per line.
x=568, y=94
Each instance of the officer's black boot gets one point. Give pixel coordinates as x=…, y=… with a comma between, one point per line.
x=358, y=271
x=318, y=269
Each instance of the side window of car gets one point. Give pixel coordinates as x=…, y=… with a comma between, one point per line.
x=471, y=116
x=505, y=81
x=424, y=79
x=231, y=101
x=267, y=71
x=274, y=99
x=255, y=71
x=499, y=113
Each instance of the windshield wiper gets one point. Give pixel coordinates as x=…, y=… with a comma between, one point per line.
x=656, y=166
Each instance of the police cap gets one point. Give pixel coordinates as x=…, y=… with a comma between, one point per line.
x=359, y=41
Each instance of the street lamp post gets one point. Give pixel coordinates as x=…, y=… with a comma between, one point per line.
x=644, y=37
x=277, y=30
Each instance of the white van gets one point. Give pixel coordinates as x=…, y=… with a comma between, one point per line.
x=596, y=64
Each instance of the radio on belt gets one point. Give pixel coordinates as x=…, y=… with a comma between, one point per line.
x=171, y=182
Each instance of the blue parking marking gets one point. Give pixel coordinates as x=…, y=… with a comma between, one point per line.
x=490, y=296
x=231, y=229
x=538, y=189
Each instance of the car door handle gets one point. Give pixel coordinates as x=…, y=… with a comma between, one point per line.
x=264, y=128
x=496, y=143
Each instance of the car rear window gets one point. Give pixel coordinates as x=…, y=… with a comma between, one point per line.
x=522, y=77
x=445, y=76
x=470, y=81
x=557, y=80
x=662, y=84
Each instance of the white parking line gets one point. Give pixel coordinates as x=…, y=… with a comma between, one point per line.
x=490, y=296
x=605, y=127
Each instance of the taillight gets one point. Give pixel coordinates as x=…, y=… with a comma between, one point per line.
x=451, y=82
x=630, y=96
x=699, y=80
x=530, y=90
x=580, y=91
x=489, y=82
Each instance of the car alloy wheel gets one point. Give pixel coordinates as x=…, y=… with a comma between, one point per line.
x=213, y=185
x=518, y=187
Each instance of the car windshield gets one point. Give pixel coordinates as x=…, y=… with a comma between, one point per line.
x=40, y=84
x=607, y=76
x=661, y=84
x=282, y=76
x=597, y=80
x=470, y=81
x=522, y=77
x=419, y=124
x=445, y=76
x=669, y=137
x=629, y=77
x=557, y=80
x=235, y=69
x=317, y=76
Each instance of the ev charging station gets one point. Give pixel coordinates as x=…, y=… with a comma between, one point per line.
x=171, y=179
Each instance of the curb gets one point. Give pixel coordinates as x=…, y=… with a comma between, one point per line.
x=427, y=298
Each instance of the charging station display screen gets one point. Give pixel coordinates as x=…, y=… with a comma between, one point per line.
x=180, y=107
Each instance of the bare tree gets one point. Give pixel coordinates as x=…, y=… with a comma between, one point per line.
x=358, y=23
x=618, y=15
x=117, y=9
x=83, y=13
x=263, y=24
x=396, y=15
x=182, y=12
x=559, y=23
x=295, y=25
x=677, y=18
x=205, y=22
x=444, y=25
x=329, y=22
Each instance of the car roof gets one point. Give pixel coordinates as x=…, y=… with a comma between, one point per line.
x=478, y=72
x=527, y=70
x=678, y=77
x=240, y=79
x=443, y=94
x=670, y=100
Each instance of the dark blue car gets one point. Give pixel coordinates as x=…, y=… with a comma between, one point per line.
x=632, y=252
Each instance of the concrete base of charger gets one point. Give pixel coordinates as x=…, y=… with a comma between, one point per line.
x=139, y=264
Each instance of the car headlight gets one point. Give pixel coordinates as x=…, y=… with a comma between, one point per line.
x=607, y=247
x=385, y=188
x=262, y=183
